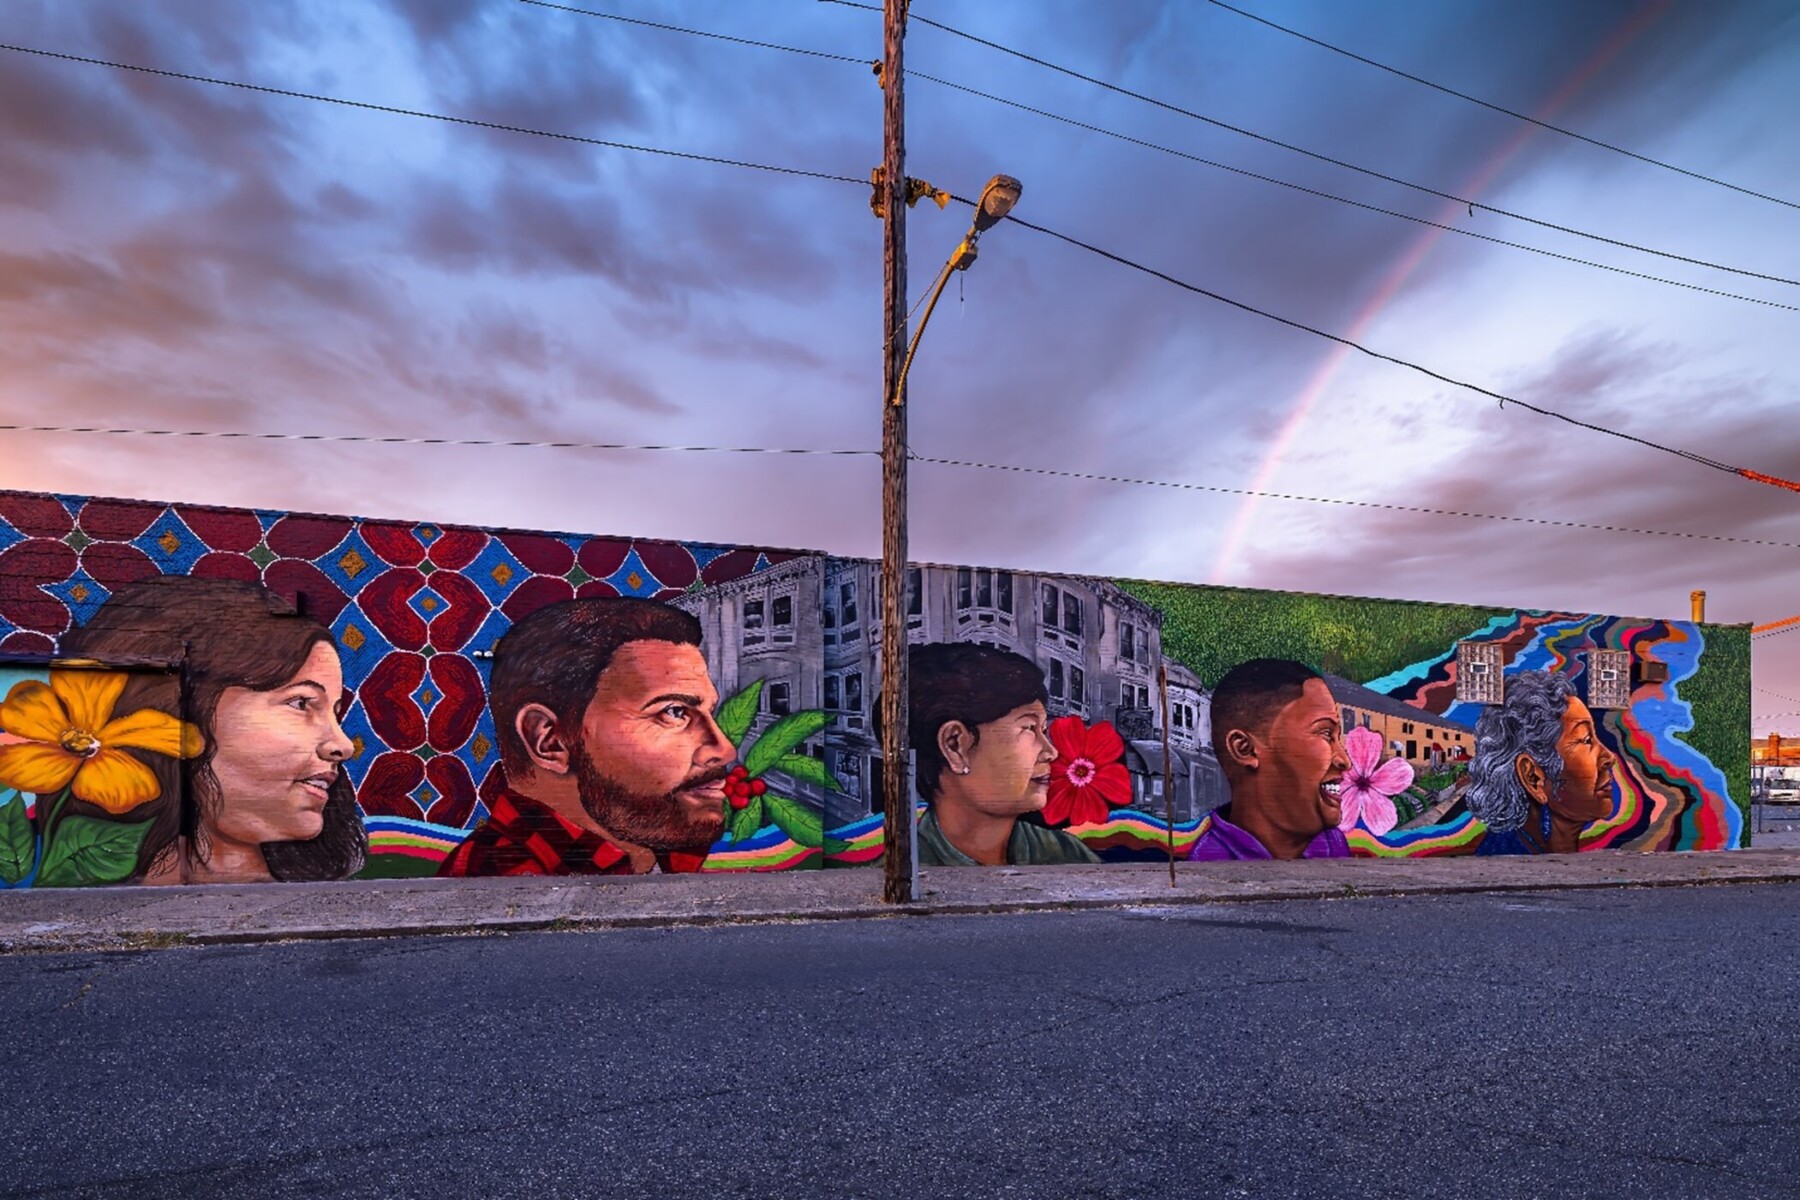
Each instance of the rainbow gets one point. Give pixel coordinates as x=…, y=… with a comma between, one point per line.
x=1428, y=841
x=769, y=849
x=1389, y=287
x=412, y=839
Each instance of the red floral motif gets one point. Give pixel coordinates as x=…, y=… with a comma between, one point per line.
x=36, y=516
x=396, y=544
x=222, y=528
x=452, y=722
x=1088, y=778
x=539, y=553
x=114, y=565
x=295, y=580
x=30, y=607
x=454, y=549
x=117, y=520
x=306, y=537
x=222, y=564
x=670, y=562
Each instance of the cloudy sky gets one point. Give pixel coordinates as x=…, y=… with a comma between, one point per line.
x=177, y=255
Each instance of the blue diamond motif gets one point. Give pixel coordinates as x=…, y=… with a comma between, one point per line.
x=428, y=604
x=171, y=545
x=481, y=753
x=491, y=631
x=703, y=553
x=633, y=578
x=496, y=572
x=762, y=564
x=9, y=537
x=267, y=517
x=427, y=534
x=427, y=695
x=82, y=594
x=351, y=564
x=362, y=734
x=360, y=644
x=424, y=796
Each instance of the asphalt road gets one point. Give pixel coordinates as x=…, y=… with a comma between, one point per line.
x=1629, y=1043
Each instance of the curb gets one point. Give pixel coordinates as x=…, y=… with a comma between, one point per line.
x=138, y=940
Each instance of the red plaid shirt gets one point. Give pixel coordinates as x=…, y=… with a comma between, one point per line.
x=522, y=836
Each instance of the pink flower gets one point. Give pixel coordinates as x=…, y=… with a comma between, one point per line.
x=1368, y=789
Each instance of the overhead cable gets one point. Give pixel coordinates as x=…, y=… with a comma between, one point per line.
x=1324, y=195
x=1422, y=510
x=431, y=116
x=1500, y=397
x=1462, y=201
x=1499, y=108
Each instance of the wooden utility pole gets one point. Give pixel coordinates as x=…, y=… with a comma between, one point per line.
x=896, y=804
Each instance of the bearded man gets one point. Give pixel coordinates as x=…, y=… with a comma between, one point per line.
x=614, y=763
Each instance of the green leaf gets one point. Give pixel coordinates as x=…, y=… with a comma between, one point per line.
x=807, y=769
x=17, y=841
x=796, y=820
x=747, y=820
x=782, y=737
x=83, y=851
x=736, y=714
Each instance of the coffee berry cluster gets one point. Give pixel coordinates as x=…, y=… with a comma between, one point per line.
x=739, y=787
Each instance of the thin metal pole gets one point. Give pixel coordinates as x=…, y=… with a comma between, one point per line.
x=1162, y=683
x=896, y=805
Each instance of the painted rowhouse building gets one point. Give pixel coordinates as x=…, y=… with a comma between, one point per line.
x=197, y=693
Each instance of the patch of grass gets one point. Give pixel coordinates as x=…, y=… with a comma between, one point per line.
x=1720, y=695
x=1209, y=630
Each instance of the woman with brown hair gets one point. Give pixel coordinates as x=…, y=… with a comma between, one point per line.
x=266, y=798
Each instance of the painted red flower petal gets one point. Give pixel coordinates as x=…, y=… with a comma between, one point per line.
x=1061, y=801
x=1103, y=744
x=1089, y=808
x=1112, y=784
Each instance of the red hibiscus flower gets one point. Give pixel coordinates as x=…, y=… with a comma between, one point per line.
x=1087, y=780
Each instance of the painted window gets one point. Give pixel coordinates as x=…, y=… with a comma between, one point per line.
x=779, y=698
x=754, y=633
x=1480, y=675
x=1609, y=679
x=1127, y=642
x=781, y=620
x=849, y=624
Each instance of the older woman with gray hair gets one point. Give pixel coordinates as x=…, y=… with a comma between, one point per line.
x=1540, y=774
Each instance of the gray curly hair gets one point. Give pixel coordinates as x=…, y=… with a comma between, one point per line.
x=1528, y=723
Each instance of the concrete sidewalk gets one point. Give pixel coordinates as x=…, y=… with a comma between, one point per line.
x=138, y=917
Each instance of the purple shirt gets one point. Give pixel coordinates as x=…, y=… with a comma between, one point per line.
x=1225, y=842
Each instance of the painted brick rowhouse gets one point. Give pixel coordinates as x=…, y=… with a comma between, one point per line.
x=109, y=772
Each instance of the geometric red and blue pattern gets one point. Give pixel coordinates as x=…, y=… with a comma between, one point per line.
x=414, y=608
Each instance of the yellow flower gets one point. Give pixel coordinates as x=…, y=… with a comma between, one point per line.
x=71, y=736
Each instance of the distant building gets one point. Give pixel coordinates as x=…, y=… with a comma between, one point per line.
x=1407, y=731
x=1098, y=646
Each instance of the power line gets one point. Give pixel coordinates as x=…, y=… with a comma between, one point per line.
x=1367, y=504
x=849, y=453
x=1464, y=201
x=1324, y=195
x=428, y=441
x=431, y=116
x=703, y=33
x=1450, y=91
x=1503, y=399
x=1756, y=637
x=1765, y=691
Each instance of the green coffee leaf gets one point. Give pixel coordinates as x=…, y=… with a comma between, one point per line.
x=780, y=738
x=806, y=769
x=747, y=820
x=796, y=820
x=736, y=714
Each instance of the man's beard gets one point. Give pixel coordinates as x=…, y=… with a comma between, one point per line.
x=656, y=822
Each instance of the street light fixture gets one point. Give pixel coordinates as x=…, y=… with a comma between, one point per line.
x=900, y=877
x=997, y=199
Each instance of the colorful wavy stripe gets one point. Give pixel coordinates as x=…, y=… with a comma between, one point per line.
x=412, y=839
x=768, y=850
x=855, y=844
x=1427, y=841
x=1128, y=836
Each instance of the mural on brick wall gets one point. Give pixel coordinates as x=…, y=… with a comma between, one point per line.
x=196, y=694
x=1065, y=719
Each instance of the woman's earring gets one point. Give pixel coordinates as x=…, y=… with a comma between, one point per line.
x=1546, y=825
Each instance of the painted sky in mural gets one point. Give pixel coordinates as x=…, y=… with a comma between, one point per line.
x=200, y=258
